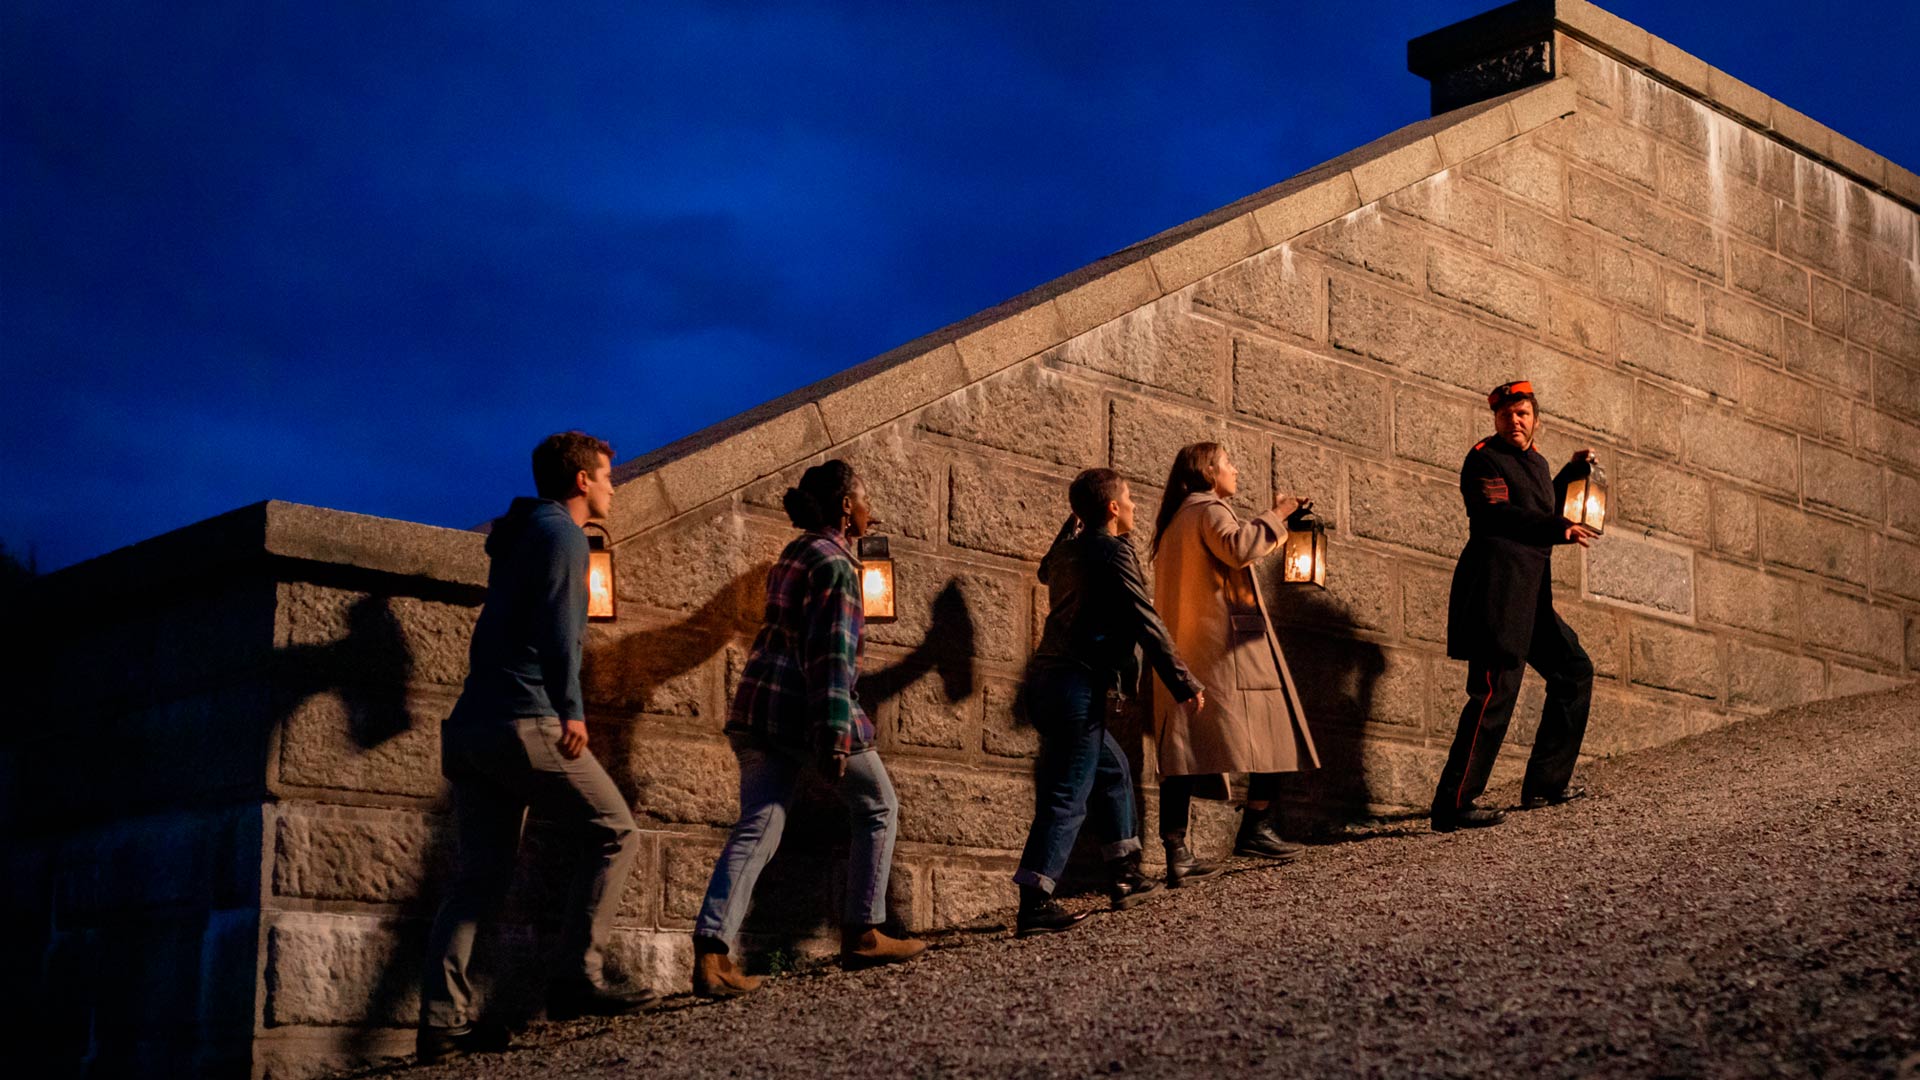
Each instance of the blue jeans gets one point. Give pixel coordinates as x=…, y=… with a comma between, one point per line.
x=768, y=777
x=1081, y=770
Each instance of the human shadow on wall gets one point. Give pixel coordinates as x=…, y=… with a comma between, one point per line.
x=1336, y=674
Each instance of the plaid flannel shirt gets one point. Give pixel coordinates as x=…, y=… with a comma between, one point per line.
x=797, y=689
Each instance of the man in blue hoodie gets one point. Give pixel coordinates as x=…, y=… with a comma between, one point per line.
x=517, y=738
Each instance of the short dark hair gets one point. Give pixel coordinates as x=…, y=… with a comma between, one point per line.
x=818, y=500
x=1091, y=492
x=561, y=458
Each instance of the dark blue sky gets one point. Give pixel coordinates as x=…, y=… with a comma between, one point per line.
x=365, y=255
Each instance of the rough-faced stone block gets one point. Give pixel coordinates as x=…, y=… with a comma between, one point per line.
x=894, y=390
x=1527, y=170
x=1669, y=657
x=676, y=779
x=1592, y=395
x=902, y=477
x=1474, y=135
x=1544, y=242
x=1636, y=219
x=1004, y=510
x=1488, y=286
x=631, y=669
x=1786, y=400
x=1662, y=497
x=715, y=564
x=1010, y=337
x=962, y=895
x=1763, y=678
x=1448, y=202
x=1598, y=628
x=1844, y=623
x=1675, y=356
x=1895, y=440
x=1845, y=679
x=1580, y=322
x=1903, y=502
x=1736, y=522
x=1144, y=436
x=1829, y=305
x=1774, y=281
x=1271, y=289
x=1301, y=390
x=373, y=857
x=951, y=605
x=1817, y=545
x=1729, y=594
x=1251, y=452
x=364, y=637
x=1823, y=247
x=1890, y=277
x=1665, y=112
x=1031, y=410
x=1308, y=471
x=1896, y=568
x=1593, y=73
x=1396, y=169
x=335, y=969
x=1162, y=345
x=1316, y=204
x=1896, y=388
x=1883, y=328
x=1659, y=418
x=1624, y=722
x=1108, y=297
x=1839, y=481
x=1004, y=731
x=1418, y=337
x=1621, y=151
x=743, y=457
x=660, y=961
x=686, y=863
x=1401, y=508
x=1360, y=592
x=1370, y=241
x=1680, y=300
x=1816, y=355
x=1201, y=254
x=962, y=807
x=928, y=717
x=1745, y=325
x=1696, y=185
x=1423, y=603
x=1627, y=278
x=1717, y=440
x=1432, y=429
x=376, y=744
x=1646, y=573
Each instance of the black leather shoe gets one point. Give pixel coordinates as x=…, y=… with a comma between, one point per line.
x=1472, y=817
x=439, y=1043
x=1047, y=917
x=1564, y=795
x=1182, y=867
x=572, y=1000
x=1129, y=886
x=1258, y=840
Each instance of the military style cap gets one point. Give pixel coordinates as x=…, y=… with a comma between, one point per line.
x=1509, y=392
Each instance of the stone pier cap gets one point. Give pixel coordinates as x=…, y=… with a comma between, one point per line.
x=1515, y=45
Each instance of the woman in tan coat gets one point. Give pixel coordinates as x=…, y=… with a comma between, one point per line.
x=1205, y=590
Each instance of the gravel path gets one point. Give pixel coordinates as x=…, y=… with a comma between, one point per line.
x=1743, y=903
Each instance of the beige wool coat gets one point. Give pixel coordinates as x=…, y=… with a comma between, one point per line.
x=1205, y=590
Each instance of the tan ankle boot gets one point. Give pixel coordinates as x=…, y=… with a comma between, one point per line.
x=866, y=946
x=716, y=976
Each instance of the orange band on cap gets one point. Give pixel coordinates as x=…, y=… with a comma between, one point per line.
x=1507, y=392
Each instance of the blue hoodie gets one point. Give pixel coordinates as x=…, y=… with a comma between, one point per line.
x=525, y=656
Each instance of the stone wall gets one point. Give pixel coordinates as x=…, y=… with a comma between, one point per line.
x=226, y=853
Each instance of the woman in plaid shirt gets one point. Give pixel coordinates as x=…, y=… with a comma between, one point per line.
x=796, y=707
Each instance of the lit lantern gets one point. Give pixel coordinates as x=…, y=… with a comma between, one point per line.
x=1587, y=497
x=876, y=579
x=1305, y=553
x=600, y=601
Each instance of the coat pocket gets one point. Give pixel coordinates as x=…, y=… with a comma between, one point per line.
x=1253, y=666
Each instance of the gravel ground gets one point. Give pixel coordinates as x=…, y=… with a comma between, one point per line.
x=1743, y=903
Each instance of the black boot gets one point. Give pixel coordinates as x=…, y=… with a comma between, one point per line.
x=570, y=999
x=1040, y=913
x=1128, y=885
x=433, y=1044
x=1532, y=800
x=1257, y=839
x=1467, y=817
x=1182, y=867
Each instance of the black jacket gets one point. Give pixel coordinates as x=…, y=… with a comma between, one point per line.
x=1504, y=577
x=1100, y=616
x=525, y=656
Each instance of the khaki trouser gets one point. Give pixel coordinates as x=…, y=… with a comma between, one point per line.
x=498, y=771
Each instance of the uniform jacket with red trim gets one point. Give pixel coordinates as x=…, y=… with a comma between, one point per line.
x=1504, y=577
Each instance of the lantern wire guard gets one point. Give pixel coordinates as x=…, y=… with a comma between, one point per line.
x=1587, y=498
x=1304, y=553
x=602, y=605
x=876, y=579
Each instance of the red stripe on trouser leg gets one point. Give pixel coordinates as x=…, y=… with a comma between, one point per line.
x=1460, y=792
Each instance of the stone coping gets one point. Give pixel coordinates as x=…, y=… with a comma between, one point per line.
x=253, y=535
x=720, y=459
x=1447, y=48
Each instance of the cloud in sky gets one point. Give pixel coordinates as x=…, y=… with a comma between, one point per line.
x=366, y=255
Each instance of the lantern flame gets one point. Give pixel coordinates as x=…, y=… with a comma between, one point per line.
x=600, y=585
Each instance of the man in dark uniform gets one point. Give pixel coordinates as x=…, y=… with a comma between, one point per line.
x=1500, y=618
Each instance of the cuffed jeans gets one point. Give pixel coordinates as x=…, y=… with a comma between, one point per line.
x=1081, y=766
x=497, y=771
x=769, y=775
